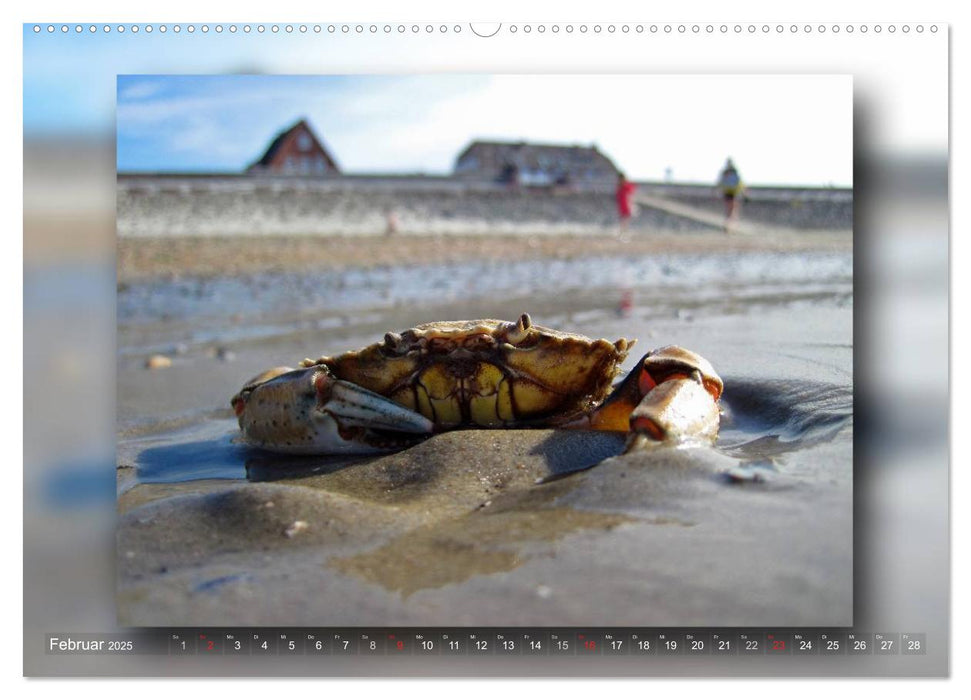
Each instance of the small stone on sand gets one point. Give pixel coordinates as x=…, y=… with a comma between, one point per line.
x=158, y=362
x=296, y=528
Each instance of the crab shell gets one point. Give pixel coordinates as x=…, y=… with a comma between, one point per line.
x=485, y=373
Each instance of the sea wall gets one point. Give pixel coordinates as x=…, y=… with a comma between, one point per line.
x=228, y=205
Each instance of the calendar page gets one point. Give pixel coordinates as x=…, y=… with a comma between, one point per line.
x=446, y=348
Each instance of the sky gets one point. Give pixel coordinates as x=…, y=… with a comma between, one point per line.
x=413, y=96
x=688, y=97
x=778, y=129
x=777, y=102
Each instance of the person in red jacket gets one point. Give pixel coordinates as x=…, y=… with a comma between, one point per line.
x=625, y=200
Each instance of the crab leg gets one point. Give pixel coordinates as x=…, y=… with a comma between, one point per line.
x=670, y=396
x=309, y=411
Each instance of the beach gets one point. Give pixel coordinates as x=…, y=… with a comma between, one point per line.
x=487, y=527
x=214, y=256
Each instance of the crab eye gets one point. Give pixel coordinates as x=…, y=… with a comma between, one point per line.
x=392, y=344
x=517, y=332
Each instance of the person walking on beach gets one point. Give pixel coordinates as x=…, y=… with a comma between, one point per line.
x=625, y=200
x=730, y=184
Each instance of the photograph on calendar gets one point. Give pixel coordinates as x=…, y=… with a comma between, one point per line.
x=485, y=350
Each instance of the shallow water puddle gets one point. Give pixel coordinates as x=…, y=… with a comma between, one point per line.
x=203, y=450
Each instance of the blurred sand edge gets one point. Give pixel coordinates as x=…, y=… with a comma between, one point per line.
x=145, y=258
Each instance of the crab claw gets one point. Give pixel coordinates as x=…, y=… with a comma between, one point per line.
x=671, y=395
x=309, y=411
x=679, y=410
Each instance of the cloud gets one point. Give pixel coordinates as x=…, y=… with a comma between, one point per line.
x=138, y=90
x=795, y=129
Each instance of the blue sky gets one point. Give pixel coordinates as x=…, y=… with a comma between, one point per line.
x=204, y=123
x=777, y=128
x=212, y=103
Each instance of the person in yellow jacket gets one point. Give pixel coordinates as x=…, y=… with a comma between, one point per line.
x=732, y=189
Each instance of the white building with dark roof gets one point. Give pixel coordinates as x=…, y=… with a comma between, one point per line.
x=536, y=164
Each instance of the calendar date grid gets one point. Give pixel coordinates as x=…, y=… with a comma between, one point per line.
x=493, y=642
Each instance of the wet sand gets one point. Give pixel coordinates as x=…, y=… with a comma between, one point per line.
x=507, y=528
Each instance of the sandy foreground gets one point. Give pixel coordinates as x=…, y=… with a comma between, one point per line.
x=500, y=528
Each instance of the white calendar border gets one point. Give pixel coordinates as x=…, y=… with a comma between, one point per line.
x=826, y=10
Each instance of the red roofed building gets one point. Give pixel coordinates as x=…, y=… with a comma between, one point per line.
x=296, y=151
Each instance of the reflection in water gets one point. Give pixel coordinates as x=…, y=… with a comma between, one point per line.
x=271, y=295
x=204, y=451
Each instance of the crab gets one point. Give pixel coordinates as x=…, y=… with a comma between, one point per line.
x=477, y=374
